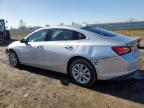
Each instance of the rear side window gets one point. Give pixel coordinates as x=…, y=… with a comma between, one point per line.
x=60, y=34
x=78, y=36
x=101, y=31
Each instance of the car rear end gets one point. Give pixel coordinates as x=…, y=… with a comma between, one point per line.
x=130, y=55
x=118, y=61
x=119, y=58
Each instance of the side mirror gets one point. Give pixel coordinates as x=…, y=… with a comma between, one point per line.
x=23, y=41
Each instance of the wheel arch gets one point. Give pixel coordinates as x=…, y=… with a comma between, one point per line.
x=79, y=57
x=11, y=49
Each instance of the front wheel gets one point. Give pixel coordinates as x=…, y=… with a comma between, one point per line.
x=13, y=59
x=82, y=72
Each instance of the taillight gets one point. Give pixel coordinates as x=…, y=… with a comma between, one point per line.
x=121, y=50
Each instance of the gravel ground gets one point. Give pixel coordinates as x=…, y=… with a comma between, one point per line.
x=29, y=87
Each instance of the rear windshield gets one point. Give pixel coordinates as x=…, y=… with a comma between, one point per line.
x=100, y=31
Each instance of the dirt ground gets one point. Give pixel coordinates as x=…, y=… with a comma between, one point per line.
x=29, y=87
x=136, y=32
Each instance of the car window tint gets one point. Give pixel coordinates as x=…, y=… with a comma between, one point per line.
x=100, y=31
x=78, y=36
x=38, y=36
x=60, y=34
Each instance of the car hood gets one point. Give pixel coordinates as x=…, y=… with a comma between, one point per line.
x=13, y=44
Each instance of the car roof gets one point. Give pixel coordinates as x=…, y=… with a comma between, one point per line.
x=90, y=35
x=77, y=28
x=63, y=27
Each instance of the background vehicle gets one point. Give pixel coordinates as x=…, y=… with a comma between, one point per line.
x=85, y=53
x=4, y=33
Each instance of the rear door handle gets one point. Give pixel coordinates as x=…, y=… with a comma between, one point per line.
x=39, y=46
x=68, y=47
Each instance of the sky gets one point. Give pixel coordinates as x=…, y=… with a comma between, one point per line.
x=54, y=12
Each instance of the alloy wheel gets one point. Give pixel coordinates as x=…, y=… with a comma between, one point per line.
x=81, y=73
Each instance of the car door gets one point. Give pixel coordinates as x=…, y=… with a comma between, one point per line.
x=32, y=52
x=58, y=49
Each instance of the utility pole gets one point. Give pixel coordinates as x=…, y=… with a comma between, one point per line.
x=21, y=24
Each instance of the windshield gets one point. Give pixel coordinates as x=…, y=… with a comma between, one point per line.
x=100, y=31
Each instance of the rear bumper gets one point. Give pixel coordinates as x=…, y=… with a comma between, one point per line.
x=117, y=75
x=116, y=67
x=124, y=77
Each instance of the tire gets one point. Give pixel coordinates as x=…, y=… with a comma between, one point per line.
x=7, y=37
x=13, y=59
x=86, y=76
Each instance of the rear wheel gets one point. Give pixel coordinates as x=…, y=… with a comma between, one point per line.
x=82, y=72
x=13, y=59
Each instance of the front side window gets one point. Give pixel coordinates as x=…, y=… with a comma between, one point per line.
x=60, y=34
x=38, y=36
